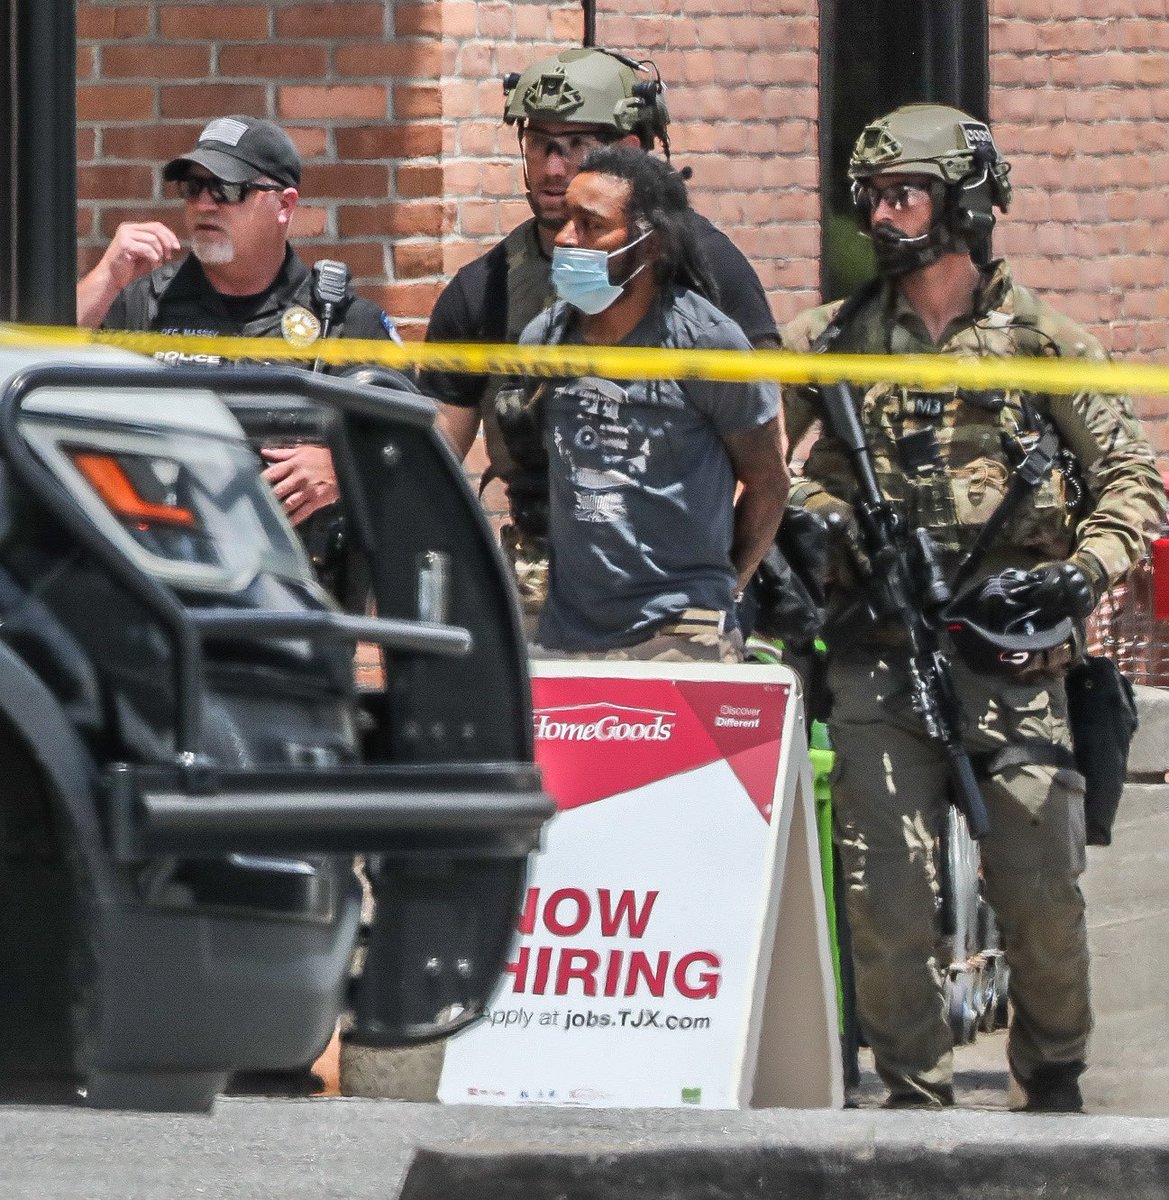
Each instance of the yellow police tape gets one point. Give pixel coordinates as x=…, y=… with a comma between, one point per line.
x=933, y=372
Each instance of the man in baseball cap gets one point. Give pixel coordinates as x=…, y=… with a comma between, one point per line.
x=240, y=187
x=240, y=150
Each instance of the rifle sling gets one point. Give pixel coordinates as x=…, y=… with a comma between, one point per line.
x=1027, y=476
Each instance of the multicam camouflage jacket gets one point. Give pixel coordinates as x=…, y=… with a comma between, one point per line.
x=1101, y=507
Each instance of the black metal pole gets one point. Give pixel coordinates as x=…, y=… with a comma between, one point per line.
x=590, y=22
x=38, y=137
x=8, y=181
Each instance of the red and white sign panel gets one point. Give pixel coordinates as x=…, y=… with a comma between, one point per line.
x=641, y=967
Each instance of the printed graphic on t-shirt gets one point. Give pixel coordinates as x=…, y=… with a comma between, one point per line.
x=605, y=444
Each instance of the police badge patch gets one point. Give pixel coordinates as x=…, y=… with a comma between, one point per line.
x=299, y=326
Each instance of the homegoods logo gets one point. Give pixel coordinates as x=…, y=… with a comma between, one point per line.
x=601, y=722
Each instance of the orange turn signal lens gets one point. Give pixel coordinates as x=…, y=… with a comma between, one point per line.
x=107, y=477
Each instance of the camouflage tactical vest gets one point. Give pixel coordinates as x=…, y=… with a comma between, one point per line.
x=955, y=490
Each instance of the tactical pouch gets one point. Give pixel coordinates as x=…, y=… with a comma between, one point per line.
x=519, y=412
x=528, y=556
x=1102, y=713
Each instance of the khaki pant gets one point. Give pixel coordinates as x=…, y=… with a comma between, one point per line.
x=890, y=793
x=696, y=636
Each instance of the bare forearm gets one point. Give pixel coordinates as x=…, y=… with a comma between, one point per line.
x=757, y=515
x=95, y=293
x=135, y=250
x=459, y=426
x=758, y=461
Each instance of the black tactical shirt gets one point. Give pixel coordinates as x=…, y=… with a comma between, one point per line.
x=178, y=298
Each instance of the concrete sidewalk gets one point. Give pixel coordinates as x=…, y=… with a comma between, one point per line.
x=382, y=1149
x=1127, y=890
x=980, y=1150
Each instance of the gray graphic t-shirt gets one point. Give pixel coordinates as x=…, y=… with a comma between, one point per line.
x=641, y=488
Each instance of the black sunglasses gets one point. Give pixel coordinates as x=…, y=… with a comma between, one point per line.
x=191, y=187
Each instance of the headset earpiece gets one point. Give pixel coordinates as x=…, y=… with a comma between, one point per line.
x=860, y=201
x=985, y=156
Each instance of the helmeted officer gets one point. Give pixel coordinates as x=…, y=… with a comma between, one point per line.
x=562, y=107
x=926, y=181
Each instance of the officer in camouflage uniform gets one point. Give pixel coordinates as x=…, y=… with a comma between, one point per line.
x=926, y=179
x=562, y=107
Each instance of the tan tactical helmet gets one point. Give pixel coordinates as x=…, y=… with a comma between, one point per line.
x=587, y=86
x=931, y=139
x=941, y=143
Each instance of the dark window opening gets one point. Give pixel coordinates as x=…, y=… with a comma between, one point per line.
x=876, y=55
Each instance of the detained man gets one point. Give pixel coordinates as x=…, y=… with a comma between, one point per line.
x=649, y=546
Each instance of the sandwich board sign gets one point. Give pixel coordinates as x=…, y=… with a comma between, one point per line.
x=672, y=945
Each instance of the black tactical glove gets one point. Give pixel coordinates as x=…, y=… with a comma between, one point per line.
x=1061, y=589
x=1002, y=603
x=804, y=541
x=1021, y=602
x=777, y=604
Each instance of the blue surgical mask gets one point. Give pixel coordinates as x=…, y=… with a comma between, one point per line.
x=581, y=277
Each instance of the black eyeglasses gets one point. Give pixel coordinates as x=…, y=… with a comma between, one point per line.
x=191, y=187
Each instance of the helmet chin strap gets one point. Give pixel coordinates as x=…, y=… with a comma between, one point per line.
x=523, y=158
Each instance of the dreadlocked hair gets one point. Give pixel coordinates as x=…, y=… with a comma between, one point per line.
x=658, y=202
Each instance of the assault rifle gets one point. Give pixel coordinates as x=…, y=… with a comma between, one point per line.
x=903, y=581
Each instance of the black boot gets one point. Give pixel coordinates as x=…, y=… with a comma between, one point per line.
x=939, y=1097
x=1054, y=1088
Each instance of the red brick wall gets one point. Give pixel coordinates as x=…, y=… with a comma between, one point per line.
x=409, y=171
x=396, y=108
x=743, y=97
x=1080, y=106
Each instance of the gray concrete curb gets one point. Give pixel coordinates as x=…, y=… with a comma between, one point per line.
x=1149, y=752
x=838, y=1157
